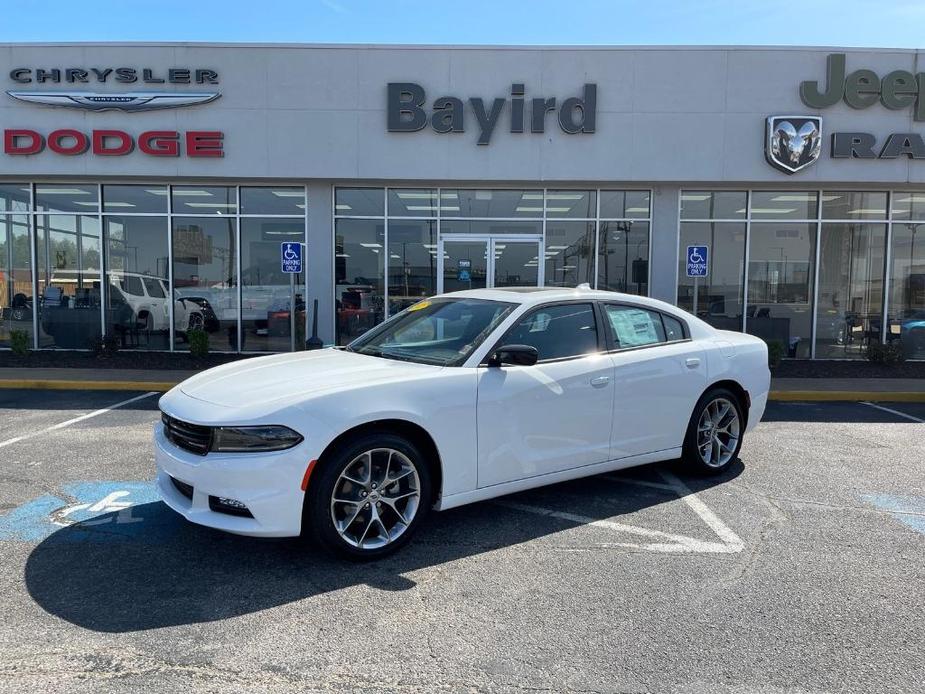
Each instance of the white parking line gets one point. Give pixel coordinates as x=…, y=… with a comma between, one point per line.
x=69, y=422
x=669, y=542
x=896, y=412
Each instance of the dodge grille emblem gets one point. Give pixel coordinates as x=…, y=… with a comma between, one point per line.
x=793, y=142
x=128, y=101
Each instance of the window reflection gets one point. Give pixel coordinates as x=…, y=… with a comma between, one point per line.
x=716, y=298
x=358, y=271
x=780, y=284
x=412, y=262
x=204, y=275
x=137, y=283
x=267, y=293
x=68, y=254
x=623, y=257
x=907, y=290
x=569, y=254
x=15, y=277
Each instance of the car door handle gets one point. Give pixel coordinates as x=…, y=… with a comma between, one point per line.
x=600, y=381
x=692, y=363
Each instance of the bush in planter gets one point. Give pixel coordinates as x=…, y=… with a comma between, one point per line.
x=775, y=353
x=198, y=342
x=891, y=353
x=19, y=342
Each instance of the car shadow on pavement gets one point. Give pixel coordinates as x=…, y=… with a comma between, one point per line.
x=158, y=570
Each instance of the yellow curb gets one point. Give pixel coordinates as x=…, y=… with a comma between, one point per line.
x=39, y=384
x=846, y=396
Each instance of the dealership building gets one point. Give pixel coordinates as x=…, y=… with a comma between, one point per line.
x=147, y=190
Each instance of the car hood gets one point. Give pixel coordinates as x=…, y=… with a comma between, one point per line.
x=263, y=380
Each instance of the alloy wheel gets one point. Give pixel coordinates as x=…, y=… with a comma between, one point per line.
x=718, y=432
x=375, y=498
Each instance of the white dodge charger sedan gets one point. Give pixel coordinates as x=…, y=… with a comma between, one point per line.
x=459, y=398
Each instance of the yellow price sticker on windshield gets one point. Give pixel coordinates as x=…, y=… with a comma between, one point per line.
x=419, y=305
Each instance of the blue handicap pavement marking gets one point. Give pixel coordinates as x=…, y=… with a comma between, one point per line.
x=909, y=510
x=101, y=511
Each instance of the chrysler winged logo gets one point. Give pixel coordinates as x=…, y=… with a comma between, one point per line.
x=793, y=142
x=126, y=101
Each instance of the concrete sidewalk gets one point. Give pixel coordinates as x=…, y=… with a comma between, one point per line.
x=845, y=389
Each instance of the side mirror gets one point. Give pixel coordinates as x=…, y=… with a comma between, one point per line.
x=516, y=355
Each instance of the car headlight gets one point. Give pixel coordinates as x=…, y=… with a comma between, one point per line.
x=254, y=439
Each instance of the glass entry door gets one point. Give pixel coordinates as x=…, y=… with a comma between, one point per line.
x=480, y=262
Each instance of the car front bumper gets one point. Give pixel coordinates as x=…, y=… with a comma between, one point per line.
x=269, y=484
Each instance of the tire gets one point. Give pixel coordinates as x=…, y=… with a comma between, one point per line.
x=345, y=528
x=708, y=458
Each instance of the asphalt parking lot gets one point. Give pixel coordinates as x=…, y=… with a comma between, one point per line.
x=801, y=570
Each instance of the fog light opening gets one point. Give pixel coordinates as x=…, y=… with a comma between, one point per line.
x=232, y=507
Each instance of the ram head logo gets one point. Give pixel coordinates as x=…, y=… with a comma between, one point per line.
x=793, y=142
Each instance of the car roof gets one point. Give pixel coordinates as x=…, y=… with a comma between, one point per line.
x=542, y=295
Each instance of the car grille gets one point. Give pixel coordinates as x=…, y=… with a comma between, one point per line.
x=182, y=487
x=190, y=437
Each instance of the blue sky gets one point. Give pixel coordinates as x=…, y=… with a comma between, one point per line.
x=887, y=23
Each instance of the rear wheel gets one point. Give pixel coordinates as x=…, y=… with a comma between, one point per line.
x=714, y=433
x=368, y=497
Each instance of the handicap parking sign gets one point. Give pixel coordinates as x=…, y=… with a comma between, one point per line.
x=697, y=259
x=291, y=257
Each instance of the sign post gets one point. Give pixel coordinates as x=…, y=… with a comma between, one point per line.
x=698, y=259
x=290, y=256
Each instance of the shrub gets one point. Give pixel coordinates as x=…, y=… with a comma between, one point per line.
x=19, y=342
x=891, y=353
x=775, y=353
x=198, y=342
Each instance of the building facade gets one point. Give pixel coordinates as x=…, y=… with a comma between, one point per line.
x=150, y=190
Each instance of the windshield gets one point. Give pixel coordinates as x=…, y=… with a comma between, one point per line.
x=443, y=332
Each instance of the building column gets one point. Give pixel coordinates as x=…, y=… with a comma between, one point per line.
x=320, y=260
x=664, y=239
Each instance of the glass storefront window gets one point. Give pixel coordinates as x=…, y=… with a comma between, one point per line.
x=358, y=275
x=359, y=202
x=780, y=205
x=908, y=205
x=569, y=254
x=137, y=273
x=849, y=315
x=716, y=298
x=135, y=199
x=287, y=200
x=492, y=227
x=68, y=258
x=66, y=197
x=15, y=277
x=216, y=200
x=420, y=202
x=267, y=293
x=205, y=275
x=499, y=204
x=412, y=262
x=907, y=289
x=623, y=257
x=624, y=204
x=853, y=205
x=574, y=204
x=14, y=197
x=780, y=285
x=720, y=204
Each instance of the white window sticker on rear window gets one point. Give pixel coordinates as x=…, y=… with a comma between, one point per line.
x=634, y=327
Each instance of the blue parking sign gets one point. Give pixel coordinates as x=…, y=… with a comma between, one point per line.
x=291, y=257
x=697, y=259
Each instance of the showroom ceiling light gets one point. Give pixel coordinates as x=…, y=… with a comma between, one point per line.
x=61, y=191
x=181, y=193
x=288, y=193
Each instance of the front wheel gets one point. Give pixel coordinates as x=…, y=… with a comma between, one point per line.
x=714, y=433
x=369, y=497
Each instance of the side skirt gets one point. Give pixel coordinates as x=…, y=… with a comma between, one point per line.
x=496, y=490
